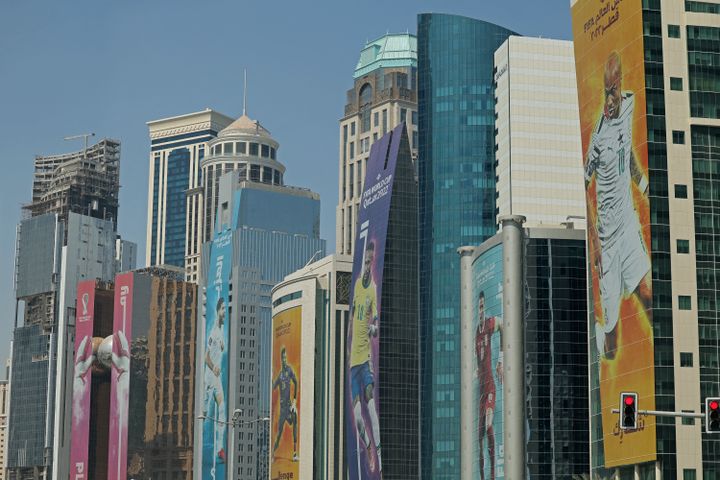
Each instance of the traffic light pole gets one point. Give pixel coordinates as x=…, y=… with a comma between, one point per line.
x=658, y=413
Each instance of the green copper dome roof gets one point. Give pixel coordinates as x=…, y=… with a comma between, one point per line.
x=391, y=50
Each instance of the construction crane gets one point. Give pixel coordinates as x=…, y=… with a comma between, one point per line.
x=82, y=135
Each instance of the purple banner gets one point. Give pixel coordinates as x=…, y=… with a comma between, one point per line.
x=82, y=380
x=364, y=458
x=120, y=377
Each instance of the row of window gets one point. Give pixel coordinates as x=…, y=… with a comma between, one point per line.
x=244, y=148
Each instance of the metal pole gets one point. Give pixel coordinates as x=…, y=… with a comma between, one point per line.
x=467, y=362
x=658, y=413
x=513, y=344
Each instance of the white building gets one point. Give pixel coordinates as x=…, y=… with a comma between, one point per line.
x=537, y=131
x=4, y=406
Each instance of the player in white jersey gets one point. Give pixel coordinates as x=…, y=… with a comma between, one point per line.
x=616, y=242
x=214, y=351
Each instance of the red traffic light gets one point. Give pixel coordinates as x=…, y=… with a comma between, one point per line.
x=629, y=400
x=714, y=405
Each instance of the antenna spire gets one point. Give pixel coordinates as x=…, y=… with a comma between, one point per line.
x=245, y=91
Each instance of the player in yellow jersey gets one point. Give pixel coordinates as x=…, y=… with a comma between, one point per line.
x=365, y=325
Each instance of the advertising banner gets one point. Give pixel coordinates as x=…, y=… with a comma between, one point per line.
x=120, y=377
x=215, y=359
x=285, y=406
x=609, y=56
x=363, y=446
x=488, y=447
x=82, y=380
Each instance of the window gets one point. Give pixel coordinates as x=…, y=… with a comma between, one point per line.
x=265, y=150
x=689, y=474
x=684, y=302
x=674, y=31
x=241, y=147
x=676, y=83
x=678, y=137
x=254, y=149
x=352, y=150
x=227, y=148
x=384, y=121
x=352, y=129
x=683, y=246
x=686, y=359
x=376, y=119
x=403, y=114
x=414, y=116
x=681, y=191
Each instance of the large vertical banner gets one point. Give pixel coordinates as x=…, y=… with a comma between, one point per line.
x=609, y=56
x=285, y=400
x=82, y=380
x=120, y=377
x=487, y=386
x=215, y=359
x=362, y=406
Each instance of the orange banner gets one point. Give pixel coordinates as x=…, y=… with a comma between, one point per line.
x=609, y=56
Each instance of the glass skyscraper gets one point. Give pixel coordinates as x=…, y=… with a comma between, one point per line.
x=457, y=207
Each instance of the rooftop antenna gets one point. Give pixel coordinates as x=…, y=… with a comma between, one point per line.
x=245, y=91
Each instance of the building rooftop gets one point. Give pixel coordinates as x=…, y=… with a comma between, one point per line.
x=391, y=50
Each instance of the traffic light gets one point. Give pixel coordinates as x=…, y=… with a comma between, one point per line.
x=712, y=415
x=628, y=411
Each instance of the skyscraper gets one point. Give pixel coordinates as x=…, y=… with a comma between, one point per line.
x=70, y=236
x=261, y=231
x=538, y=156
x=384, y=94
x=4, y=407
x=649, y=101
x=175, y=195
x=456, y=178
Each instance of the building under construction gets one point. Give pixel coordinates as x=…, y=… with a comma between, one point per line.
x=85, y=182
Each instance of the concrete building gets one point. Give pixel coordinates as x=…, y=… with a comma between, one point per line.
x=542, y=396
x=125, y=255
x=176, y=217
x=456, y=190
x=267, y=230
x=384, y=94
x=674, y=46
x=538, y=150
x=322, y=292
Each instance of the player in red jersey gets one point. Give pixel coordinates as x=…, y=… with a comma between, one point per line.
x=483, y=336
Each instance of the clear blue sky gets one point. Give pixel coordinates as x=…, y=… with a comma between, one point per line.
x=108, y=67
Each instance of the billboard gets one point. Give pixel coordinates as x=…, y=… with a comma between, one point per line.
x=82, y=380
x=363, y=446
x=487, y=302
x=120, y=377
x=609, y=56
x=285, y=401
x=215, y=359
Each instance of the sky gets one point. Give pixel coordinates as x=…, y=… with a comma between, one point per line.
x=68, y=68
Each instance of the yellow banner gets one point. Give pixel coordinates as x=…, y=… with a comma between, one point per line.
x=609, y=56
x=285, y=410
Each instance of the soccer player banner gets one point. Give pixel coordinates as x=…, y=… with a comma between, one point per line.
x=362, y=410
x=285, y=398
x=488, y=426
x=609, y=57
x=120, y=376
x=215, y=359
x=82, y=379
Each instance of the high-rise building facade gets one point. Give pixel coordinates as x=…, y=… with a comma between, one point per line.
x=263, y=230
x=319, y=294
x=4, y=408
x=175, y=196
x=551, y=346
x=538, y=157
x=456, y=181
x=657, y=65
x=384, y=94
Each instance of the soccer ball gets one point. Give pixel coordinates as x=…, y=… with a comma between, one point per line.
x=103, y=354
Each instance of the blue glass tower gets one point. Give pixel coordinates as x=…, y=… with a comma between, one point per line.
x=457, y=207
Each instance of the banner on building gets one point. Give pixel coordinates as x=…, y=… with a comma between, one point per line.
x=488, y=425
x=362, y=405
x=215, y=359
x=285, y=399
x=120, y=377
x=85, y=354
x=609, y=56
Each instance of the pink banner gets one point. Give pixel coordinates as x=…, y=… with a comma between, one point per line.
x=82, y=380
x=120, y=377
